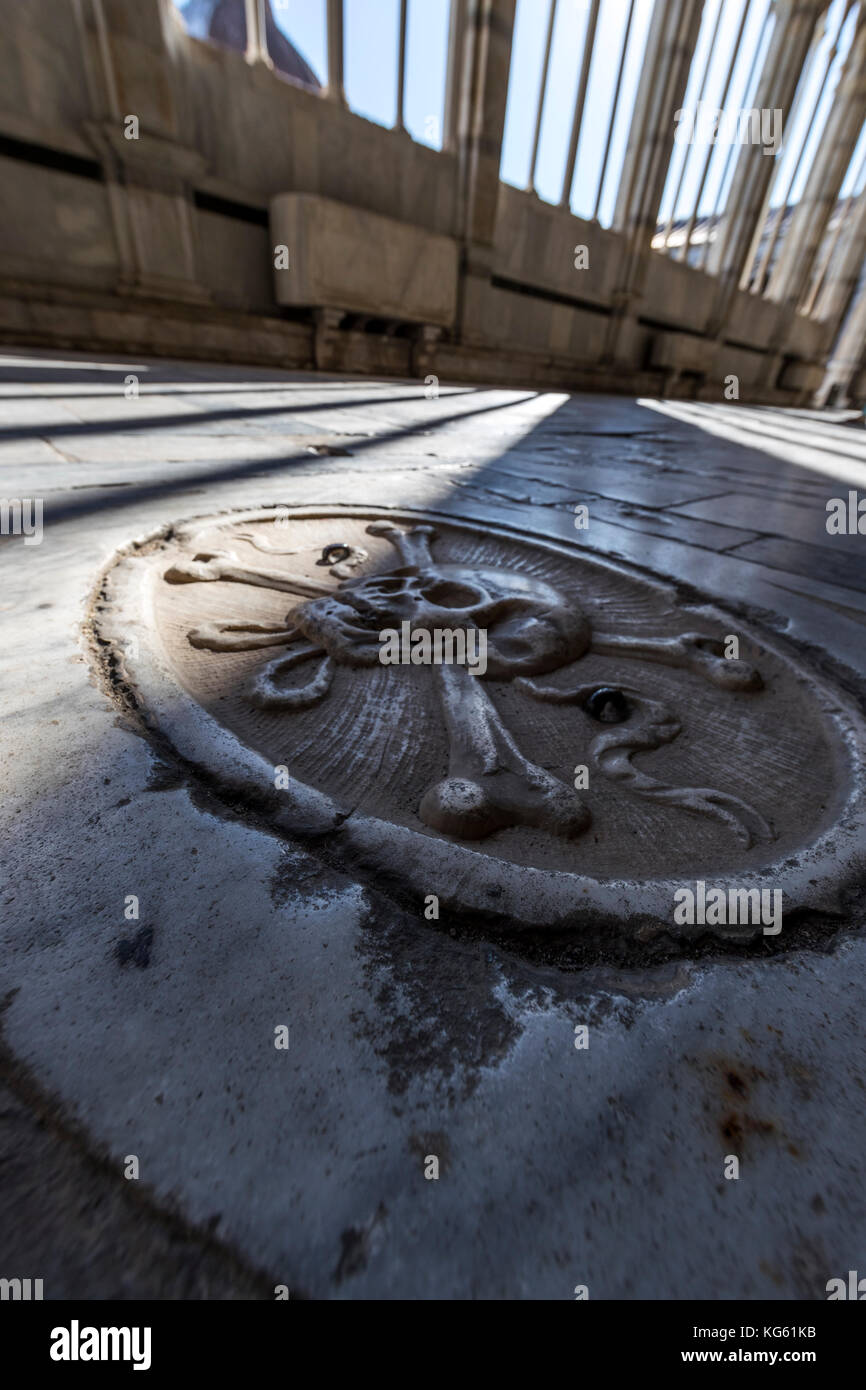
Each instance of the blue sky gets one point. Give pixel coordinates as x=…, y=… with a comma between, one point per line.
x=527, y=61
x=371, y=30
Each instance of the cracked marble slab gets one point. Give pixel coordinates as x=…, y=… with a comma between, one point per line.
x=407, y=1037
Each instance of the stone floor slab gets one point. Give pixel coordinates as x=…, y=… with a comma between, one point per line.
x=408, y=1038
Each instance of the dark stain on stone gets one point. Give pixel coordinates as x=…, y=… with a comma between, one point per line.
x=435, y=999
x=781, y=1070
x=736, y=1128
x=298, y=875
x=135, y=949
x=732, y=1084
x=809, y=1266
x=735, y=1076
x=772, y=1273
x=358, y=1244
x=439, y=1013
x=164, y=776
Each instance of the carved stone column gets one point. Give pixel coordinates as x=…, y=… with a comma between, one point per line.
x=150, y=174
x=335, y=90
x=811, y=215
x=453, y=81
x=485, y=60
x=795, y=22
x=423, y=349
x=257, y=42
x=848, y=358
x=835, y=294
x=671, y=41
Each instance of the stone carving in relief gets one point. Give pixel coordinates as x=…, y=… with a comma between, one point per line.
x=532, y=630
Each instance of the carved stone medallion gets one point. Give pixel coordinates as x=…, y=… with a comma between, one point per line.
x=614, y=743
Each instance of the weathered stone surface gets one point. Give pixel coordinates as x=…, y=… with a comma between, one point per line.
x=238, y=641
x=340, y=254
x=557, y=1166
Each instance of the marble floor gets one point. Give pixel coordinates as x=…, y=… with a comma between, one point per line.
x=306, y=1169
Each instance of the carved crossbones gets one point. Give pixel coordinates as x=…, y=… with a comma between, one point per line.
x=532, y=630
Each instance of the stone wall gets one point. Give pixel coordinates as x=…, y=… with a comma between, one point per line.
x=163, y=243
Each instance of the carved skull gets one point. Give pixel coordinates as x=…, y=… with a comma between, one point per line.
x=531, y=627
